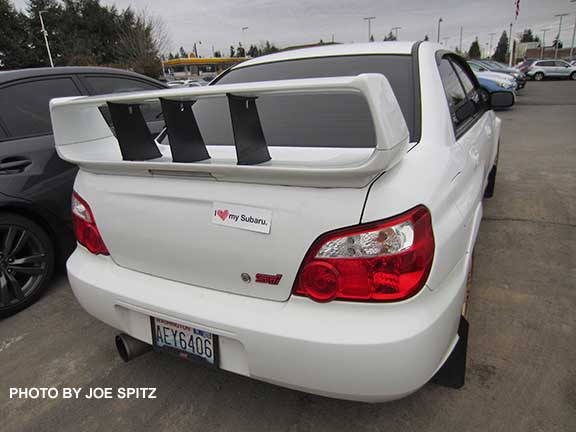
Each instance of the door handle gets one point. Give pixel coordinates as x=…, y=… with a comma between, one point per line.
x=8, y=166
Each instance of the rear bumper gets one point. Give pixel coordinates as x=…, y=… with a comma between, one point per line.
x=365, y=352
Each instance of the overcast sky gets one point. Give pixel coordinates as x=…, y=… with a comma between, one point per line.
x=218, y=23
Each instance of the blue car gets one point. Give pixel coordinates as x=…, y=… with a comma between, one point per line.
x=491, y=85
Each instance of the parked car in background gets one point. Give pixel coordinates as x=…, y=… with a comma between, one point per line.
x=482, y=70
x=187, y=83
x=35, y=184
x=502, y=80
x=494, y=66
x=541, y=69
x=330, y=254
x=492, y=85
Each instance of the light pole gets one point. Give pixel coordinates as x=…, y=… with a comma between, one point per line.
x=573, y=36
x=491, y=37
x=559, y=30
x=395, y=30
x=460, y=44
x=244, y=38
x=511, y=38
x=438, y=38
x=45, y=33
x=543, y=47
x=369, y=19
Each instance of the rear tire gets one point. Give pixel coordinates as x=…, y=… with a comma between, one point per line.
x=573, y=76
x=538, y=76
x=26, y=263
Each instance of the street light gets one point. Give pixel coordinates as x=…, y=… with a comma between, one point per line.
x=369, y=19
x=45, y=33
x=559, y=30
x=543, y=47
x=395, y=30
x=438, y=38
x=491, y=37
x=244, y=37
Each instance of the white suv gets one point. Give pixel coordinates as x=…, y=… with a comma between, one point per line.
x=308, y=221
x=551, y=69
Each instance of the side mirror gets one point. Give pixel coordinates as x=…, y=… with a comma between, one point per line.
x=501, y=99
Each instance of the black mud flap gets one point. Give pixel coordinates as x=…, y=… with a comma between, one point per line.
x=453, y=371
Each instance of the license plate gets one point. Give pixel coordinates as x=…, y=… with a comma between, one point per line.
x=185, y=341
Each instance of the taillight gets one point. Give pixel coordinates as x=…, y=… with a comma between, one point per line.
x=388, y=260
x=85, y=227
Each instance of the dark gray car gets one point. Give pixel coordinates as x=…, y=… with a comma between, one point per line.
x=35, y=184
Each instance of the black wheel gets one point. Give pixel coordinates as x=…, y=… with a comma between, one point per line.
x=573, y=76
x=538, y=76
x=26, y=263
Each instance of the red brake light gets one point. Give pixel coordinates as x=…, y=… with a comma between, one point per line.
x=388, y=260
x=85, y=227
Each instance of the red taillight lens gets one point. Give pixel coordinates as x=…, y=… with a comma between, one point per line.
x=85, y=227
x=382, y=261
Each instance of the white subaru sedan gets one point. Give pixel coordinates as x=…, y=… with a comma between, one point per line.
x=307, y=220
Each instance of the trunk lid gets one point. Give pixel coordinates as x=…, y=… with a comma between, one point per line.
x=164, y=227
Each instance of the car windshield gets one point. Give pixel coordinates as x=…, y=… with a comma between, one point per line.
x=397, y=69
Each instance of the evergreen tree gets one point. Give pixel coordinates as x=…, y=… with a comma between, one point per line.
x=528, y=36
x=232, y=51
x=371, y=39
x=426, y=38
x=217, y=54
x=253, y=51
x=390, y=37
x=13, y=37
x=501, y=52
x=474, y=51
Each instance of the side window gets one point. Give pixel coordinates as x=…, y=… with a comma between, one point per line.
x=24, y=106
x=110, y=84
x=2, y=134
x=545, y=64
x=561, y=64
x=465, y=79
x=114, y=84
x=461, y=93
x=452, y=87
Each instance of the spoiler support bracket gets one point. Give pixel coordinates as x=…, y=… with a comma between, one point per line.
x=251, y=147
x=186, y=141
x=134, y=137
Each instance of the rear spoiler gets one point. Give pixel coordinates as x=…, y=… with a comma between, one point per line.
x=83, y=136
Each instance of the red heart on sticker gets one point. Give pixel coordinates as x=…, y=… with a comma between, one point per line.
x=222, y=214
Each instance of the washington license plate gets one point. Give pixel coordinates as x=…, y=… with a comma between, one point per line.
x=185, y=341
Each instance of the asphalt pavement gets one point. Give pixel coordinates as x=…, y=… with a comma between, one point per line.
x=522, y=353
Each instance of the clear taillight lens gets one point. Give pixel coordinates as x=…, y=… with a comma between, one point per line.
x=85, y=227
x=388, y=260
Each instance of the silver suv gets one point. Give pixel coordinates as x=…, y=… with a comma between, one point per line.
x=551, y=69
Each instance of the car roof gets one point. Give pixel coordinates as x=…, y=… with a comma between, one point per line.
x=333, y=51
x=6, y=76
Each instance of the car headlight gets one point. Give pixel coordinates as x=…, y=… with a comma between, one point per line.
x=504, y=84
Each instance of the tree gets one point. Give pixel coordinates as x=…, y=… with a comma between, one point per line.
x=268, y=48
x=217, y=54
x=528, y=36
x=558, y=42
x=474, y=51
x=141, y=44
x=232, y=51
x=501, y=52
x=13, y=37
x=371, y=39
x=182, y=53
x=390, y=37
x=253, y=51
x=426, y=38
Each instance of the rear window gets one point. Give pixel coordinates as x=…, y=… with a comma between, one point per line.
x=397, y=69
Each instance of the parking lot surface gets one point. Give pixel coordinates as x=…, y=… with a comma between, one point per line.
x=522, y=352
